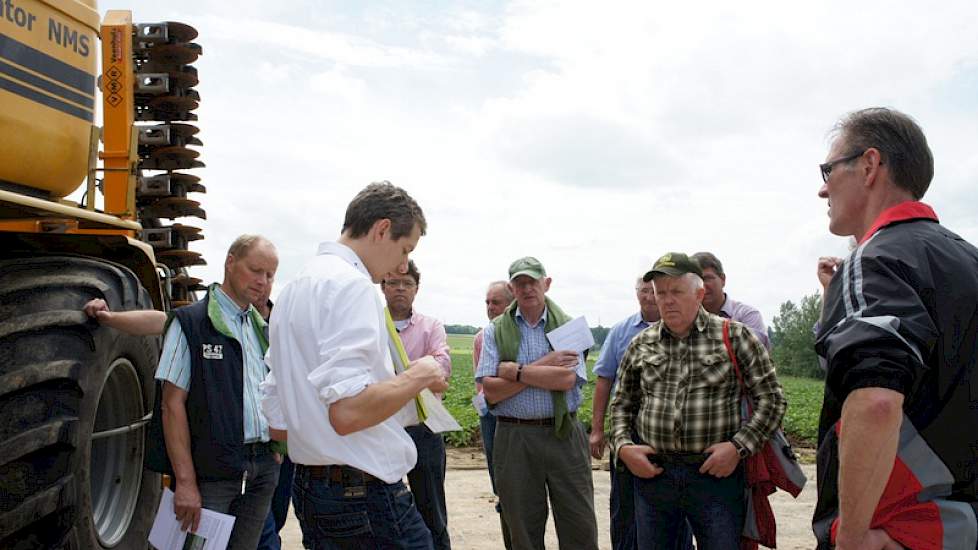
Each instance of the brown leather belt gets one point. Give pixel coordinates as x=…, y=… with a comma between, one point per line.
x=339, y=474
x=530, y=421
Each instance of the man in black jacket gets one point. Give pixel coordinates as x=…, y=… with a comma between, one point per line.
x=898, y=436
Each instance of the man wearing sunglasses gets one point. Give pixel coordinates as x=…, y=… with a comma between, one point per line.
x=898, y=436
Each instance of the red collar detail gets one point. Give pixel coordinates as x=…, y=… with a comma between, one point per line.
x=909, y=210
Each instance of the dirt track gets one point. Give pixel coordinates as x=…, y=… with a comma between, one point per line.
x=474, y=524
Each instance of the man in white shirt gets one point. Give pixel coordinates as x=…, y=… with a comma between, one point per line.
x=333, y=387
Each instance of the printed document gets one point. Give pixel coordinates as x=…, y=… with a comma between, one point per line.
x=572, y=336
x=213, y=533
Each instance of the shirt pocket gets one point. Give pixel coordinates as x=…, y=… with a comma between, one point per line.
x=654, y=370
x=716, y=370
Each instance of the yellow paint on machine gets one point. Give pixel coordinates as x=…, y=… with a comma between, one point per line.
x=48, y=61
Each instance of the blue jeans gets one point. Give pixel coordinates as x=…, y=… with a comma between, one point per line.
x=623, y=532
x=372, y=515
x=280, y=508
x=714, y=507
x=427, y=482
x=251, y=508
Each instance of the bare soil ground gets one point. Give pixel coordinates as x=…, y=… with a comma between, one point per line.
x=474, y=523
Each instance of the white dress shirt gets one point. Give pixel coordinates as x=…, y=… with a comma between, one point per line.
x=328, y=341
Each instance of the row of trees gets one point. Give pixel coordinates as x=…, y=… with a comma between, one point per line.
x=793, y=337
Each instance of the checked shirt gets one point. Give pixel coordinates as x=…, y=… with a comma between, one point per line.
x=682, y=394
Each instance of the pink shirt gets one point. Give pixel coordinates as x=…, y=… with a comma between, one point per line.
x=426, y=336
x=476, y=354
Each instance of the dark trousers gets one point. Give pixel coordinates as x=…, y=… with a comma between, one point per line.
x=622, y=510
x=427, y=481
x=487, y=427
x=530, y=464
x=714, y=507
x=375, y=515
x=249, y=509
x=278, y=515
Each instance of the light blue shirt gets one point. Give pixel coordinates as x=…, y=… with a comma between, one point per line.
x=615, y=345
x=531, y=402
x=175, y=362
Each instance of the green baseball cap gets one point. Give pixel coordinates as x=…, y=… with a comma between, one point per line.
x=529, y=266
x=673, y=264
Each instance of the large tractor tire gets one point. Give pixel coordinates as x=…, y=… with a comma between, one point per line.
x=74, y=400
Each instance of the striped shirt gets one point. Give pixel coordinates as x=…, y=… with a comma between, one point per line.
x=682, y=394
x=175, y=362
x=530, y=402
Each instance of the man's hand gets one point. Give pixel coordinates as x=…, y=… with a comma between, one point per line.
x=722, y=461
x=874, y=539
x=826, y=270
x=567, y=359
x=508, y=370
x=186, y=506
x=428, y=370
x=636, y=458
x=596, y=442
x=97, y=309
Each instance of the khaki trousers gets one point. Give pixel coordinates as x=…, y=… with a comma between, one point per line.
x=530, y=463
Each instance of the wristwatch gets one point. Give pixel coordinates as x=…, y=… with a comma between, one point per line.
x=742, y=452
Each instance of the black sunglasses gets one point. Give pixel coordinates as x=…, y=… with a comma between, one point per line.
x=826, y=168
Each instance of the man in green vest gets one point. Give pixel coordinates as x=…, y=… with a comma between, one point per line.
x=540, y=448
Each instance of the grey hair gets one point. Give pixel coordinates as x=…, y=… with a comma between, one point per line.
x=694, y=280
x=505, y=286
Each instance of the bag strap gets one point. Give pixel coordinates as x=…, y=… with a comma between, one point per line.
x=733, y=360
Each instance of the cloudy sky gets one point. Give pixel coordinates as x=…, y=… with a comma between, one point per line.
x=594, y=136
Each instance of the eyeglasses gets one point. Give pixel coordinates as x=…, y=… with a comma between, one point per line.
x=406, y=285
x=826, y=168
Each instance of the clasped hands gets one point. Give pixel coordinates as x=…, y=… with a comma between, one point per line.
x=721, y=462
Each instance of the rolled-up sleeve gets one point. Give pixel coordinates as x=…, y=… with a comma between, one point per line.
x=271, y=405
x=489, y=362
x=345, y=355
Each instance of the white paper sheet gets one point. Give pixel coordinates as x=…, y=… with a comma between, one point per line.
x=213, y=533
x=572, y=336
x=479, y=404
x=439, y=419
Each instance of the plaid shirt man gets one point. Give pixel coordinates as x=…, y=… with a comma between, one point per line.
x=682, y=395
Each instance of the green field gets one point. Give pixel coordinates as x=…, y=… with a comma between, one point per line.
x=800, y=422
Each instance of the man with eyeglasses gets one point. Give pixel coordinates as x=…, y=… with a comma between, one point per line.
x=422, y=335
x=621, y=502
x=898, y=337
x=717, y=302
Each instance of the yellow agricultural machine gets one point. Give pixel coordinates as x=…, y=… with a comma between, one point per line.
x=75, y=398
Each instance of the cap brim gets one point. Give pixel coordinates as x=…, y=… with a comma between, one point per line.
x=529, y=273
x=667, y=271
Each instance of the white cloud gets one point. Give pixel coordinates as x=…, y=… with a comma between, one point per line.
x=593, y=136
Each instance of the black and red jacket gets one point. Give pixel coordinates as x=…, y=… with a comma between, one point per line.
x=902, y=313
